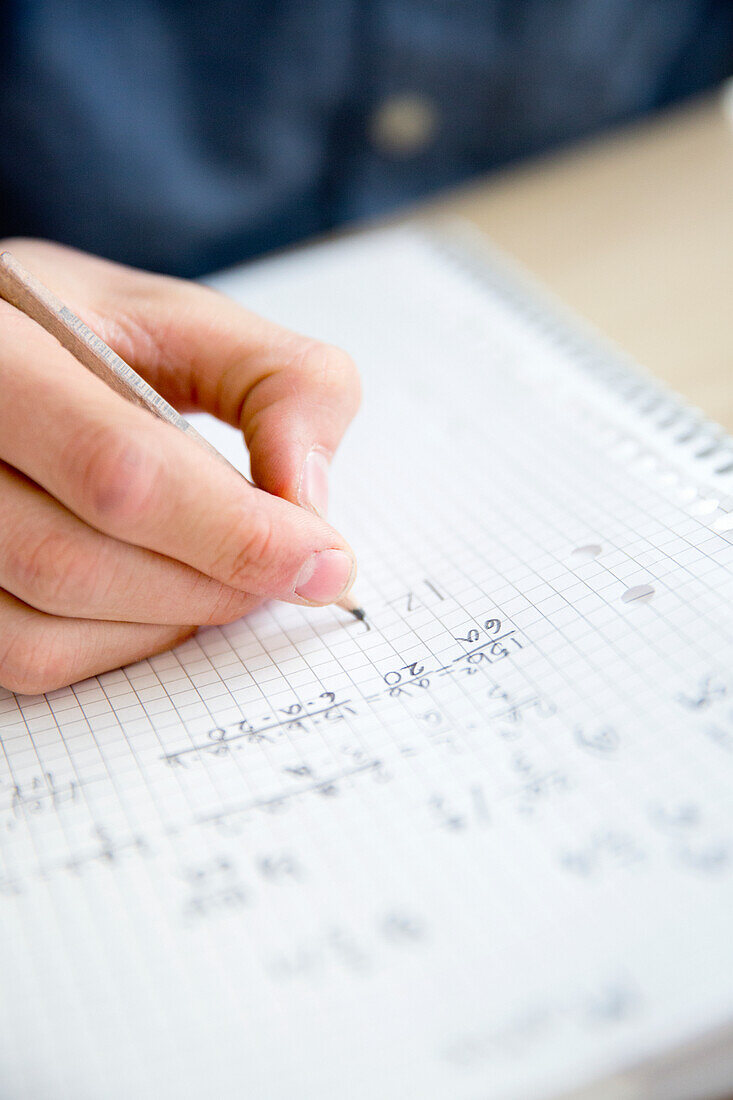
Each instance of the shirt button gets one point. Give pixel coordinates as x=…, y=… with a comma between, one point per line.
x=403, y=125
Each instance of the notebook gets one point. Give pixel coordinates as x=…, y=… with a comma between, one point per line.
x=479, y=847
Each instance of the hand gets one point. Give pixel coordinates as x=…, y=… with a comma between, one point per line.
x=119, y=536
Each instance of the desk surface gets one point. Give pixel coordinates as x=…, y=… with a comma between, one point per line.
x=635, y=232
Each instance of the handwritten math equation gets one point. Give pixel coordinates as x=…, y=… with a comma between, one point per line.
x=481, y=647
x=498, y=718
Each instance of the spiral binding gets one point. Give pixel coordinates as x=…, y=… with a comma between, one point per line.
x=672, y=419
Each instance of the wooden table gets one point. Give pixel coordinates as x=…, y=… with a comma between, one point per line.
x=635, y=232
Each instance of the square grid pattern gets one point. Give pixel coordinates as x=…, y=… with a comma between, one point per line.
x=424, y=856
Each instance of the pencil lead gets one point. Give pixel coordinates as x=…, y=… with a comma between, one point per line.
x=349, y=604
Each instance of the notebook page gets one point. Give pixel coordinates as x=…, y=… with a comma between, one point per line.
x=479, y=847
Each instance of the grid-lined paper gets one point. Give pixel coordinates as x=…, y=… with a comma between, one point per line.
x=481, y=847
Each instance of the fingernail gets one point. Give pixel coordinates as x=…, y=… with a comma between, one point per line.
x=313, y=488
x=325, y=576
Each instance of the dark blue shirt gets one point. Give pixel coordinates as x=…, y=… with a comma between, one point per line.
x=182, y=135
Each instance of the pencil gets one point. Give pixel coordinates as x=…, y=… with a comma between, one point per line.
x=36, y=301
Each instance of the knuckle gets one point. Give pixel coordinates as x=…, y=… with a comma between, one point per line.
x=30, y=662
x=51, y=572
x=115, y=474
x=245, y=552
x=328, y=366
x=227, y=605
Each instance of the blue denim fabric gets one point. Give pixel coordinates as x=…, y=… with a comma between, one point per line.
x=183, y=136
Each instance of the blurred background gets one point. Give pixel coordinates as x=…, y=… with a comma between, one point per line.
x=183, y=136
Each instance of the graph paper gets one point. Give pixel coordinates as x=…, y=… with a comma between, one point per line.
x=480, y=846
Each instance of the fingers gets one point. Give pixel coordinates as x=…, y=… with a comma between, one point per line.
x=292, y=396
x=40, y=653
x=55, y=563
x=294, y=401
x=143, y=482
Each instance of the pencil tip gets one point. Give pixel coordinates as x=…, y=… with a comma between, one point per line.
x=349, y=604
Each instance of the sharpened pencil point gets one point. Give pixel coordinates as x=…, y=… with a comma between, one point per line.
x=347, y=604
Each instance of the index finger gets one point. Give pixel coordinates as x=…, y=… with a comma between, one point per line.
x=291, y=395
